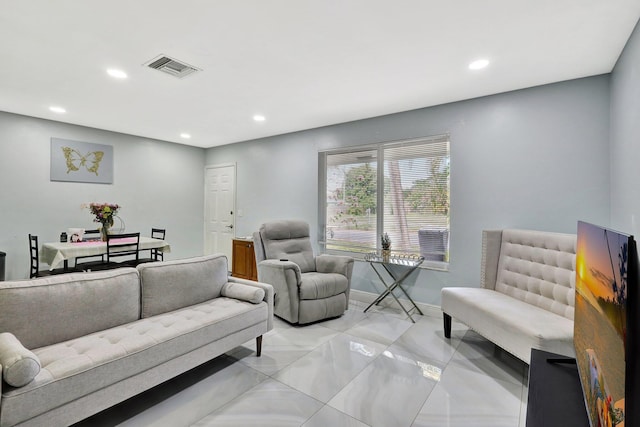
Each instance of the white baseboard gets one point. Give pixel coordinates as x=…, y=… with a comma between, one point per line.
x=368, y=298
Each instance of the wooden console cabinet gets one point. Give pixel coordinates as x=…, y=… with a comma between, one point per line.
x=244, y=260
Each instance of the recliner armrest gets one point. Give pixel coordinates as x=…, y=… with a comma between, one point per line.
x=274, y=266
x=334, y=264
x=285, y=277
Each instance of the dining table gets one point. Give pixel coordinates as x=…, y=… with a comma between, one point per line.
x=56, y=253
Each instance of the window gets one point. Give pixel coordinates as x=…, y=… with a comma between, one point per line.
x=399, y=188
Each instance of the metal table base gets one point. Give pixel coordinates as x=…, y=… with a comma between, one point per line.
x=397, y=281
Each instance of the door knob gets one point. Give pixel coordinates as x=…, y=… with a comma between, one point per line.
x=230, y=226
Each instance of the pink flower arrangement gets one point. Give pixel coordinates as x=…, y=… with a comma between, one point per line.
x=104, y=212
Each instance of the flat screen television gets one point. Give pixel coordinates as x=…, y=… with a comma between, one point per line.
x=606, y=325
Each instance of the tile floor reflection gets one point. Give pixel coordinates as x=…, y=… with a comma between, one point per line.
x=362, y=369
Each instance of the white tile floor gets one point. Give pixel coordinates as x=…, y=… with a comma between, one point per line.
x=362, y=369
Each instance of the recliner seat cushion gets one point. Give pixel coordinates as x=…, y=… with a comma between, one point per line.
x=78, y=367
x=322, y=285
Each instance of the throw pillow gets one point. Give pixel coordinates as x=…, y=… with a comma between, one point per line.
x=243, y=292
x=19, y=365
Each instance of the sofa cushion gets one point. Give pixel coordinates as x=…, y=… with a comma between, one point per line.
x=48, y=310
x=171, y=285
x=322, y=285
x=19, y=365
x=512, y=324
x=78, y=367
x=243, y=292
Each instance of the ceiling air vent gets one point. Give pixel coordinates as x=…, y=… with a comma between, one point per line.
x=171, y=66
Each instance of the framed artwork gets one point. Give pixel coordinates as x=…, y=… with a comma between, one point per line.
x=78, y=161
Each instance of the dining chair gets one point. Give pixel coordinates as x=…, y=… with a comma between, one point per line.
x=158, y=233
x=92, y=234
x=123, y=245
x=118, y=245
x=89, y=234
x=155, y=253
x=35, y=260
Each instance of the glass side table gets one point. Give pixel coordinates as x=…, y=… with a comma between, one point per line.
x=380, y=263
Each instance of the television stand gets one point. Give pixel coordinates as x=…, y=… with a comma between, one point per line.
x=555, y=395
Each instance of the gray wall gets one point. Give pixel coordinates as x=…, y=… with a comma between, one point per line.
x=157, y=184
x=625, y=139
x=536, y=158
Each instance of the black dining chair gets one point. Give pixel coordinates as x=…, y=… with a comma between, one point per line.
x=89, y=234
x=35, y=260
x=118, y=245
x=156, y=254
x=123, y=245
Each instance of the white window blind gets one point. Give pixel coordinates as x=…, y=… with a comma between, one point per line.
x=397, y=188
x=352, y=200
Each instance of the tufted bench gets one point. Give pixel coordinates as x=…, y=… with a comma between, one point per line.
x=526, y=294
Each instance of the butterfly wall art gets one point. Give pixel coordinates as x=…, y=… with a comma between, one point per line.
x=75, y=160
x=79, y=161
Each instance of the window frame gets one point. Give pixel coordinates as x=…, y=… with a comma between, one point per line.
x=380, y=148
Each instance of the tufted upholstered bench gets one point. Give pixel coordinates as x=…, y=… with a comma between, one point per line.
x=526, y=294
x=74, y=344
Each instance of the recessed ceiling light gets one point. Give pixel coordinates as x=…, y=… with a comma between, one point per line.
x=118, y=74
x=479, y=64
x=185, y=135
x=57, y=109
x=259, y=118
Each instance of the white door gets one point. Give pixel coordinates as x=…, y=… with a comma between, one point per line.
x=219, y=209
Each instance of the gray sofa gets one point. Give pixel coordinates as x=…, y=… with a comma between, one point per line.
x=526, y=295
x=75, y=344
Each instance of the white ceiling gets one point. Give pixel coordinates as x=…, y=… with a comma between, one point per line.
x=300, y=63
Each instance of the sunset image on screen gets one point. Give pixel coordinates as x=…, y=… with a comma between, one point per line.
x=600, y=328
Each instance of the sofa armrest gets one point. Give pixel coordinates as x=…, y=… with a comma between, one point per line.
x=268, y=295
x=334, y=264
x=285, y=277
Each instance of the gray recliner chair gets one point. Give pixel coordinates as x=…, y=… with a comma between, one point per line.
x=307, y=288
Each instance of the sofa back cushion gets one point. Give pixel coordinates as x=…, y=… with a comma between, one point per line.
x=170, y=285
x=288, y=239
x=49, y=310
x=539, y=268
